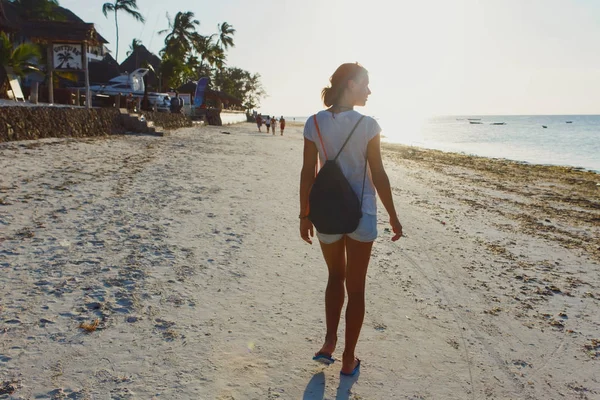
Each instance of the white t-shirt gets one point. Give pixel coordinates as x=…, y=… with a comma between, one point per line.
x=335, y=129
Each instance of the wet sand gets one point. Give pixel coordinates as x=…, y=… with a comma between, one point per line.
x=171, y=267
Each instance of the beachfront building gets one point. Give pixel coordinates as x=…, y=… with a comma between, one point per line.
x=27, y=29
x=68, y=45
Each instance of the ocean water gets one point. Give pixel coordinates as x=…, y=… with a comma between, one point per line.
x=522, y=138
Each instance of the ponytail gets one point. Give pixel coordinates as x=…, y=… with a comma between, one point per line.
x=331, y=95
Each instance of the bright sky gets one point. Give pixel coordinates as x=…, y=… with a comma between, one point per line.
x=425, y=57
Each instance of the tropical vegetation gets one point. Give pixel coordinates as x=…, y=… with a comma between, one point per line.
x=20, y=58
x=186, y=55
x=241, y=84
x=129, y=7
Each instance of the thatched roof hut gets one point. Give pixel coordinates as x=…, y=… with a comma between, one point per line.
x=189, y=88
x=105, y=70
x=139, y=58
x=224, y=97
x=61, y=31
x=69, y=28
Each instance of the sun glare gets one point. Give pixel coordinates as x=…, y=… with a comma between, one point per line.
x=405, y=129
x=415, y=68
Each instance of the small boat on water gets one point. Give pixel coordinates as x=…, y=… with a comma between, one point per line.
x=475, y=122
x=544, y=126
x=569, y=122
x=498, y=123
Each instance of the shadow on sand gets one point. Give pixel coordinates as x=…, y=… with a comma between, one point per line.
x=315, y=390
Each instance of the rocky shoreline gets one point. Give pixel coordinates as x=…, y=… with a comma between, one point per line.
x=552, y=202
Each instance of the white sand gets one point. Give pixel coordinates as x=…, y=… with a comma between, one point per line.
x=186, y=249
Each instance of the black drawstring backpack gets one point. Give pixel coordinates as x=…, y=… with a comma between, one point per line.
x=334, y=207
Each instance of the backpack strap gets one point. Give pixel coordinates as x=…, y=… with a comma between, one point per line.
x=320, y=137
x=348, y=138
x=362, y=194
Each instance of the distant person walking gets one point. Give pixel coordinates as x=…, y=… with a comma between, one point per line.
x=129, y=103
x=346, y=255
x=281, y=124
x=268, y=123
x=166, y=103
x=259, y=121
x=176, y=104
x=273, y=124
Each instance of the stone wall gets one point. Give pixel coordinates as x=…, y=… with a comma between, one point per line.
x=232, y=117
x=29, y=123
x=168, y=120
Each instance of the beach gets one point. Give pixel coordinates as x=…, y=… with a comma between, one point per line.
x=144, y=267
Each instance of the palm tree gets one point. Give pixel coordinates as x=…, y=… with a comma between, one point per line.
x=171, y=70
x=226, y=32
x=18, y=58
x=135, y=43
x=209, y=52
x=181, y=34
x=130, y=7
x=215, y=56
x=202, y=46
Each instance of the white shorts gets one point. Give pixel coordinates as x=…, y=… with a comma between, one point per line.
x=365, y=232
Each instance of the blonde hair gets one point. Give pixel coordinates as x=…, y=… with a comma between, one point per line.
x=339, y=82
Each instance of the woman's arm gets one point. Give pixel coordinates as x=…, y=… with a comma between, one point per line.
x=307, y=178
x=382, y=184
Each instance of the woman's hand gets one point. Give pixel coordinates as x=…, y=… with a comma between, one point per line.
x=306, y=230
x=396, y=227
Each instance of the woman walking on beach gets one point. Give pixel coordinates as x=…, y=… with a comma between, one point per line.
x=259, y=121
x=273, y=124
x=281, y=124
x=346, y=255
x=268, y=122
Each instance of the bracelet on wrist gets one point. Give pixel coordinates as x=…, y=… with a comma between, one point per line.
x=302, y=216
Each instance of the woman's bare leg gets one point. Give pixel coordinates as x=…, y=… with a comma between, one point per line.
x=335, y=258
x=359, y=254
